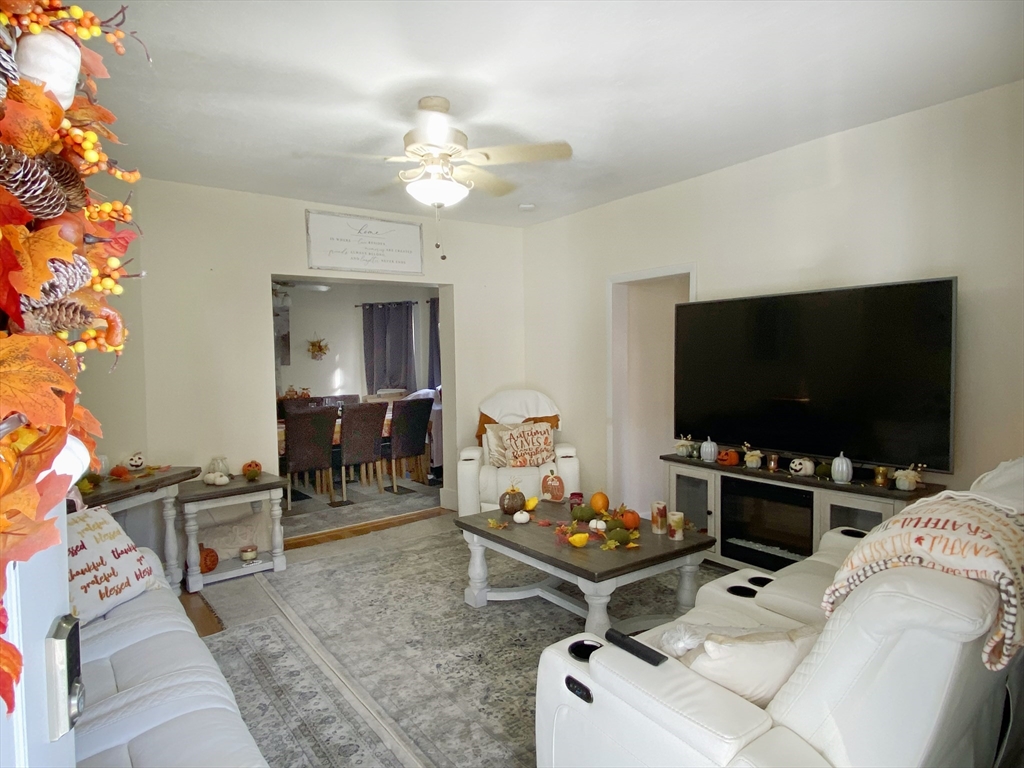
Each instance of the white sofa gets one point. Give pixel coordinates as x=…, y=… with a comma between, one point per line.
x=154, y=694
x=895, y=679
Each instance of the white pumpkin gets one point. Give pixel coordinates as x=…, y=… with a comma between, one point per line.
x=842, y=469
x=801, y=467
x=522, y=516
x=136, y=461
x=222, y=479
x=598, y=525
x=210, y=478
x=709, y=450
x=53, y=59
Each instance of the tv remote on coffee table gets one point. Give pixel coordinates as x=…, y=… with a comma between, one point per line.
x=638, y=649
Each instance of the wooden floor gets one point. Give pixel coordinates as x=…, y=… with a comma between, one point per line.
x=359, y=529
x=201, y=614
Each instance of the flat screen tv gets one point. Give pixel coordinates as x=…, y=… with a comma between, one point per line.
x=867, y=371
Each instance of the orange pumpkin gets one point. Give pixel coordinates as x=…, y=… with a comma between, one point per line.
x=729, y=458
x=208, y=559
x=599, y=502
x=251, y=466
x=630, y=519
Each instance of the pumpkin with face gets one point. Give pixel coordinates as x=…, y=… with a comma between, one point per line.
x=801, y=467
x=136, y=461
x=728, y=458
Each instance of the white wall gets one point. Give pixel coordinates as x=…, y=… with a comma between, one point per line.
x=334, y=316
x=209, y=354
x=931, y=193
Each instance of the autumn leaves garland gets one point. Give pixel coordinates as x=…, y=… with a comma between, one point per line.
x=60, y=257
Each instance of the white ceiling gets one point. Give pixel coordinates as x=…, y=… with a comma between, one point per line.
x=296, y=99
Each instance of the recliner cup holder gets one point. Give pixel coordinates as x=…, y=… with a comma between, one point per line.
x=760, y=581
x=853, y=533
x=741, y=591
x=581, y=649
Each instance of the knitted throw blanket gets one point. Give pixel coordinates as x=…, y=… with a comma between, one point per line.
x=961, y=533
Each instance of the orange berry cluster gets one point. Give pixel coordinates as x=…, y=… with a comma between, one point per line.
x=105, y=280
x=87, y=153
x=114, y=210
x=90, y=339
x=72, y=20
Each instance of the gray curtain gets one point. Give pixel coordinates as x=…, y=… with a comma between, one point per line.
x=388, y=346
x=434, y=348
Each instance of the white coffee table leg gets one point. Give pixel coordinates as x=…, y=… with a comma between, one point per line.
x=171, y=561
x=194, y=577
x=276, y=530
x=686, y=592
x=597, y=595
x=476, y=592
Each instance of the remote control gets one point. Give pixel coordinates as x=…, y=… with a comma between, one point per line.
x=638, y=649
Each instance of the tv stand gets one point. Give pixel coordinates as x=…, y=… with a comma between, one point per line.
x=768, y=520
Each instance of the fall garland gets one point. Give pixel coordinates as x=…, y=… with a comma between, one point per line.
x=60, y=258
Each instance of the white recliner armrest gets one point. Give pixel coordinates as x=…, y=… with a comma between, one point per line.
x=712, y=720
x=779, y=748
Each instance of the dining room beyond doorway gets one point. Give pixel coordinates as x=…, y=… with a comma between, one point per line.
x=358, y=403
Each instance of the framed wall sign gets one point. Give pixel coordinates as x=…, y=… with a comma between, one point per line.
x=357, y=244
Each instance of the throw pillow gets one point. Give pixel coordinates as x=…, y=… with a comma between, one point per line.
x=753, y=666
x=105, y=568
x=495, y=437
x=529, y=445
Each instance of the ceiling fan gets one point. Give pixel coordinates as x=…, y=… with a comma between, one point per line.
x=448, y=169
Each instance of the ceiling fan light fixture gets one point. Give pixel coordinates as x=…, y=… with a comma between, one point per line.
x=437, y=190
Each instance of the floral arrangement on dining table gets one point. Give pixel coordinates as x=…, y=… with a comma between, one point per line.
x=61, y=251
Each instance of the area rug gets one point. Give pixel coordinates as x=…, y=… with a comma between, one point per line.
x=458, y=682
x=296, y=713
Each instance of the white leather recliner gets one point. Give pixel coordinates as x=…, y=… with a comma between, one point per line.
x=481, y=485
x=895, y=679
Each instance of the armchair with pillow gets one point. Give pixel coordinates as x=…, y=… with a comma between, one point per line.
x=517, y=445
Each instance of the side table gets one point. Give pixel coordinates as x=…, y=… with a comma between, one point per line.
x=196, y=495
x=160, y=486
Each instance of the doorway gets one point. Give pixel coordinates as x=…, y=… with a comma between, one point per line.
x=641, y=378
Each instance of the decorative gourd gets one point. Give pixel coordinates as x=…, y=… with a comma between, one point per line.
x=522, y=516
x=842, y=469
x=136, y=461
x=728, y=458
x=708, y=451
x=53, y=59
x=598, y=525
x=552, y=487
x=251, y=465
x=630, y=519
x=753, y=459
x=512, y=501
x=801, y=467
x=599, y=502
x=208, y=559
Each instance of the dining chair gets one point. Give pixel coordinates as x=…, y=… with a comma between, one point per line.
x=308, y=438
x=409, y=420
x=361, y=428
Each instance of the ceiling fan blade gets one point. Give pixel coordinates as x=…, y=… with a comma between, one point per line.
x=483, y=180
x=519, y=153
x=401, y=159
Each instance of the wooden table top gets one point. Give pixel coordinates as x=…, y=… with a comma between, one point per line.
x=590, y=562
x=197, y=490
x=110, y=491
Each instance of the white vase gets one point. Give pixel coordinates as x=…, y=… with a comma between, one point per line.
x=708, y=450
x=842, y=469
x=53, y=59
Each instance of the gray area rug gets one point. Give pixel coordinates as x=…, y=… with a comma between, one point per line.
x=314, y=515
x=458, y=682
x=297, y=715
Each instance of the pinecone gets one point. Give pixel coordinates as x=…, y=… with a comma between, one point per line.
x=29, y=181
x=63, y=315
x=68, y=178
x=8, y=68
x=68, y=277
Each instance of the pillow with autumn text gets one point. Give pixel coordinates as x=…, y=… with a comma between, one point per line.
x=529, y=445
x=105, y=568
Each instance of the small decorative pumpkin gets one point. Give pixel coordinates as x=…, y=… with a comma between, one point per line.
x=250, y=465
x=599, y=502
x=522, y=516
x=597, y=525
x=709, y=450
x=552, y=487
x=208, y=559
x=136, y=461
x=728, y=458
x=753, y=459
x=801, y=467
x=630, y=519
x=842, y=469
x=511, y=501
x=51, y=58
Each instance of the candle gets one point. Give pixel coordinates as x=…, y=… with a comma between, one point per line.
x=675, y=526
x=659, y=517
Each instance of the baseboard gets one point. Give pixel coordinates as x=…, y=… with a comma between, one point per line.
x=449, y=498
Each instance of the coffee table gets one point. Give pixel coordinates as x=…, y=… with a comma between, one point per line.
x=595, y=571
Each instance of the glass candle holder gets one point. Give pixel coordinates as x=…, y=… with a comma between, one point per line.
x=773, y=462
